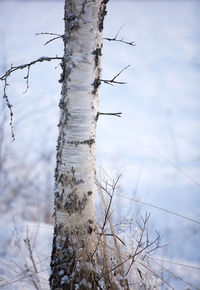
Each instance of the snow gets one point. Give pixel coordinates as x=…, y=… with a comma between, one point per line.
x=60, y=273
x=65, y=279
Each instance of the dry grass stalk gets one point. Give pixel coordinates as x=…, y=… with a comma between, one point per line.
x=118, y=263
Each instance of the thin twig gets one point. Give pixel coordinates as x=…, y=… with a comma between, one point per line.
x=163, y=209
x=52, y=39
x=175, y=263
x=137, y=252
x=113, y=80
x=156, y=275
x=177, y=277
x=13, y=69
x=115, y=239
x=48, y=33
x=23, y=274
x=114, y=268
x=115, y=236
x=57, y=36
x=28, y=244
x=132, y=43
x=178, y=168
x=139, y=248
x=102, y=187
x=107, y=212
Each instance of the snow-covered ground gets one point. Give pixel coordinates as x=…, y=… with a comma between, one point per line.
x=155, y=145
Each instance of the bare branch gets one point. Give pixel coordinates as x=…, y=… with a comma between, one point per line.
x=48, y=33
x=108, y=208
x=132, y=43
x=52, y=39
x=140, y=248
x=13, y=69
x=142, y=228
x=102, y=187
x=113, y=80
x=57, y=36
x=156, y=275
x=115, y=236
x=119, y=30
x=136, y=253
x=108, y=114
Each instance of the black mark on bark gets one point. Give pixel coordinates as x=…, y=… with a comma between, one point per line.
x=102, y=13
x=90, y=142
x=96, y=84
x=90, y=230
x=97, y=53
x=74, y=204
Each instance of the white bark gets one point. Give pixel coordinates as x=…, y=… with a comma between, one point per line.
x=74, y=234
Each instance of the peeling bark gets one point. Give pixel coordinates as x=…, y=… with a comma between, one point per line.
x=73, y=263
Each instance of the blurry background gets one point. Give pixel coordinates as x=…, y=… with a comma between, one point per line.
x=155, y=145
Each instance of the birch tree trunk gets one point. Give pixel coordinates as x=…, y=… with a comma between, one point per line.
x=73, y=261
